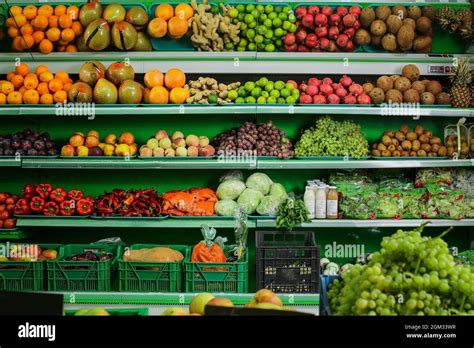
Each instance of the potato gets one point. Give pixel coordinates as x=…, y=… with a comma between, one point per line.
x=434, y=87
x=435, y=140
x=429, y=12
x=362, y=37
x=413, y=154
x=427, y=98
x=422, y=43
x=389, y=42
x=411, y=96
x=378, y=27
x=435, y=147
x=443, y=98
x=395, y=141
x=402, y=84
x=393, y=24
x=367, y=16
x=423, y=25
x=386, y=153
x=405, y=154
x=406, y=145
x=394, y=96
x=418, y=86
x=382, y=12
x=424, y=139
x=385, y=83
x=377, y=95
x=394, y=77
x=400, y=11
x=426, y=82
x=414, y=12
x=405, y=35
x=410, y=21
x=391, y=148
x=375, y=40
x=367, y=87
x=421, y=153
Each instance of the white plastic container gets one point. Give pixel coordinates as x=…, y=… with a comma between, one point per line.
x=321, y=202
x=309, y=200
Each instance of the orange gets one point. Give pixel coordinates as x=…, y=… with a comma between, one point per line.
x=67, y=35
x=65, y=21
x=179, y=95
x=26, y=29
x=15, y=10
x=53, y=21
x=77, y=28
x=10, y=22
x=15, y=98
x=12, y=32
x=6, y=87
x=41, y=69
x=42, y=88
x=62, y=75
x=10, y=76
x=46, y=76
x=22, y=69
x=61, y=48
x=45, y=46
x=67, y=86
x=31, y=81
x=19, y=20
x=17, y=81
x=158, y=95
x=184, y=11
x=60, y=97
x=3, y=98
x=28, y=41
x=22, y=90
x=164, y=11
x=73, y=12
x=71, y=48
x=31, y=97
x=17, y=44
x=60, y=10
x=46, y=10
x=30, y=11
x=157, y=28
x=53, y=34
x=153, y=78
x=177, y=27
x=175, y=78
x=38, y=36
x=40, y=22
x=55, y=85
x=47, y=99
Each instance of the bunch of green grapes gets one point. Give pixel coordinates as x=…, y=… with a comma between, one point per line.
x=410, y=275
x=332, y=138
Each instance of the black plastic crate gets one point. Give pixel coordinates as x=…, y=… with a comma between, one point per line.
x=287, y=262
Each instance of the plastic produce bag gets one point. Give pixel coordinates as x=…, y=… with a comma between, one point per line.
x=232, y=175
x=230, y=189
x=226, y=207
x=260, y=182
x=434, y=176
x=389, y=205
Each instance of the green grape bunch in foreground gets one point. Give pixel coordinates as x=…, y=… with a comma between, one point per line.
x=410, y=275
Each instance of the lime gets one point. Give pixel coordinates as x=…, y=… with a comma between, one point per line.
x=295, y=93
x=267, y=41
x=286, y=25
x=272, y=15
x=232, y=95
x=233, y=13
x=279, y=32
x=243, y=26
x=250, y=100
x=285, y=93
x=289, y=86
x=242, y=92
x=270, y=48
x=268, y=9
x=261, y=82
x=274, y=93
x=287, y=10
x=281, y=100
x=269, y=34
x=278, y=43
x=267, y=22
x=241, y=17
x=260, y=8
x=279, y=85
x=269, y=86
x=235, y=21
x=261, y=100
x=242, y=42
x=255, y=13
x=229, y=46
x=293, y=28
x=250, y=34
x=292, y=18
x=260, y=47
x=249, y=18
x=240, y=8
x=258, y=39
x=241, y=48
x=271, y=100
x=244, y=32
x=256, y=92
x=277, y=23
x=249, y=86
x=283, y=16
x=252, y=47
x=212, y=99
x=240, y=100
x=249, y=8
x=253, y=24
x=261, y=29
x=290, y=99
x=265, y=94
x=262, y=17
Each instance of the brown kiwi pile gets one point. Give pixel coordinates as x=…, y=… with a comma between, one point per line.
x=405, y=142
x=398, y=28
x=406, y=88
x=452, y=146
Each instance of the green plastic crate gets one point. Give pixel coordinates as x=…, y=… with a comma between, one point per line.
x=82, y=275
x=163, y=277
x=217, y=276
x=117, y=312
x=24, y=275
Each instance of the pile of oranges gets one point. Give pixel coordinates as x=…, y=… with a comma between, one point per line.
x=44, y=28
x=38, y=87
x=171, y=21
x=165, y=88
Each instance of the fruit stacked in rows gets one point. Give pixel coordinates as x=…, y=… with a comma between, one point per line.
x=170, y=21
x=264, y=91
x=324, y=29
x=45, y=28
x=165, y=88
x=206, y=90
x=7, y=206
x=177, y=145
x=90, y=145
x=113, y=26
x=44, y=199
x=263, y=27
x=129, y=203
x=23, y=86
x=325, y=91
x=27, y=143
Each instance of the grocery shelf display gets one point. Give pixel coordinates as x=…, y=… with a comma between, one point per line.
x=144, y=158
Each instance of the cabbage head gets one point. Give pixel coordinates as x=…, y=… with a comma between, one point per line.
x=268, y=206
x=230, y=189
x=249, y=200
x=226, y=207
x=260, y=182
x=232, y=175
x=278, y=191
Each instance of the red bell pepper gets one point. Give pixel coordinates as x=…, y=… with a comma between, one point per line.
x=51, y=209
x=84, y=207
x=58, y=195
x=75, y=195
x=67, y=208
x=29, y=191
x=37, y=204
x=90, y=199
x=44, y=190
x=22, y=207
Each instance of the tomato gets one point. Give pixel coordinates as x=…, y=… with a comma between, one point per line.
x=10, y=200
x=3, y=207
x=10, y=208
x=10, y=223
x=4, y=215
x=3, y=198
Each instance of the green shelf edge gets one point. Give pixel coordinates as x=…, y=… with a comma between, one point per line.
x=374, y=223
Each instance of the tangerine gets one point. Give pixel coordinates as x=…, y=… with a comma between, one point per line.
x=179, y=95
x=47, y=99
x=31, y=81
x=15, y=10
x=67, y=35
x=46, y=10
x=17, y=44
x=26, y=29
x=28, y=41
x=40, y=22
x=3, y=99
x=77, y=28
x=65, y=21
x=73, y=12
x=157, y=28
x=177, y=27
x=17, y=81
x=41, y=69
x=46, y=76
x=30, y=11
x=67, y=86
x=22, y=69
x=71, y=48
x=6, y=87
x=53, y=21
x=175, y=78
x=153, y=78
x=31, y=97
x=158, y=95
x=13, y=32
x=38, y=36
x=14, y=98
x=59, y=10
x=10, y=76
x=46, y=46
x=55, y=85
x=184, y=11
x=19, y=20
x=60, y=97
x=42, y=88
x=164, y=11
x=62, y=75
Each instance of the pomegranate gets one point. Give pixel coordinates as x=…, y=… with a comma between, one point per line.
x=332, y=46
x=356, y=89
x=291, y=48
x=302, y=87
x=300, y=11
x=350, y=99
x=333, y=99
x=313, y=9
x=341, y=11
x=327, y=81
x=314, y=81
x=349, y=20
x=312, y=90
x=305, y=98
x=289, y=39
x=364, y=99
x=300, y=36
x=321, y=32
x=350, y=46
x=307, y=20
x=324, y=44
x=333, y=33
x=336, y=86
x=341, y=92
x=355, y=10
x=320, y=20
x=334, y=19
x=357, y=24
x=302, y=48
x=326, y=89
x=346, y=81
x=342, y=40
x=326, y=10
x=319, y=99
x=311, y=40
x=350, y=32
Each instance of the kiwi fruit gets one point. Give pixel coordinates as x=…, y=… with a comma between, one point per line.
x=402, y=84
x=418, y=130
x=376, y=153
x=418, y=86
x=385, y=82
x=404, y=129
x=435, y=140
x=381, y=147
x=391, y=148
x=411, y=136
x=382, y=12
x=400, y=11
x=423, y=25
x=393, y=24
x=394, y=96
x=367, y=87
x=377, y=95
x=442, y=151
x=386, y=140
x=405, y=35
x=414, y=12
x=422, y=44
x=411, y=96
x=426, y=82
x=426, y=147
x=411, y=72
x=400, y=136
x=429, y=12
x=396, y=153
x=362, y=37
x=409, y=21
x=421, y=153
x=434, y=87
x=389, y=42
x=378, y=27
x=443, y=98
x=427, y=98
x=394, y=77
x=415, y=145
x=450, y=151
x=367, y=16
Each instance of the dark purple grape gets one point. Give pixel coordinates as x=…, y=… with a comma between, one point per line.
x=39, y=145
x=15, y=144
x=26, y=144
x=32, y=152
x=41, y=153
x=52, y=152
x=9, y=152
x=50, y=145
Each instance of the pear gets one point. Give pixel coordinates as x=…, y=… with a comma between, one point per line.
x=130, y=92
x=80, y=92
x=91, y=72
x=124, y=36
x=143, y=43
x=120, y=71
x=90, y=12
x=105, y=92
x=97, y=35
x=114, y=13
